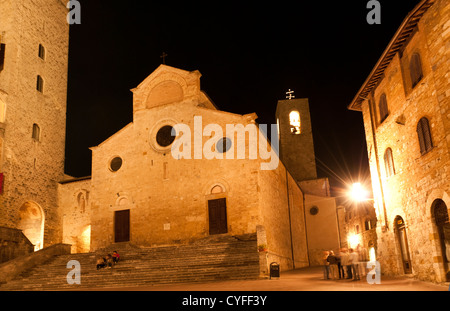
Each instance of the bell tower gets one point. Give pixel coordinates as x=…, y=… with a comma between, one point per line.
x=34, y=38
x=295, y=136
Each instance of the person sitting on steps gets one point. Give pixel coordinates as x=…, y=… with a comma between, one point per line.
x=115, y=257
x=109, y=261
x=101, y=263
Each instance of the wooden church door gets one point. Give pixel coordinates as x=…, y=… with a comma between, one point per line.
x=122, y=226
x=217, y=210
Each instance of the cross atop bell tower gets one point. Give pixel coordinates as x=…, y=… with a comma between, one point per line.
x=290, y=94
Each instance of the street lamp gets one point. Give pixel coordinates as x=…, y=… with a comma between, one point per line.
x=358, y=193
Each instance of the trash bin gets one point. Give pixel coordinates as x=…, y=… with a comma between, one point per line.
x=274, y=270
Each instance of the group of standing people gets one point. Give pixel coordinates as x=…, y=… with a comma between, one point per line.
x=348, y=264
x=109, y=261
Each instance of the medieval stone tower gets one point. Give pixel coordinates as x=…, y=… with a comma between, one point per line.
x=296, y=140
x=33, y=89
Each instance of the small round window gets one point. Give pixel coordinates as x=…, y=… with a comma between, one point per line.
x=115, y=164
x=314, y=210
x=223, y=145
x=164, y=136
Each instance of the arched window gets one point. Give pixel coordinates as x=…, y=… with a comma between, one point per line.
x=40, y=84
x=367, y=224
x=383, y=108
x=415, y=69
x=400, y=229
x=41, y=52
x=389, y=162
x=294, y=121
x=36, y=134
x=81, y=202
x=424, y=134
x=441, y=219
x=217, y=189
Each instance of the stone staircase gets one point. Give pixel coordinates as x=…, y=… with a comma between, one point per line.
x=220, y=257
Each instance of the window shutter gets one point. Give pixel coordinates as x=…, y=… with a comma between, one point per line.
x=415, y=68
x=424, y=134
x=427, y=134
x=383, y=108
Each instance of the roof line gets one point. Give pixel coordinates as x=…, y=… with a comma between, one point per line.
x=398, y=41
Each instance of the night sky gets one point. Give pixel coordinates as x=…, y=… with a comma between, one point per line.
x=249, y=55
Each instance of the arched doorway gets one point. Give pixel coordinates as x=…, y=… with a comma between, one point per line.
x=31, y=222
x=440, y=214
x=403, y=242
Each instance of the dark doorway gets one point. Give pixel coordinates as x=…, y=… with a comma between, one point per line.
x=441, y=219
x=403, y=241
x=217, y=210
x=122, y=226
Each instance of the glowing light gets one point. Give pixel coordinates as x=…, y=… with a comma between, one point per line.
x=372, y=254
x=358, y=193
x=294, y=120
x=353, y=240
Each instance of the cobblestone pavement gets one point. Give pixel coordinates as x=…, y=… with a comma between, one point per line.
x=306, y=279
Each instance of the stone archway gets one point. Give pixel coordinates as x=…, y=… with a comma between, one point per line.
x=439, y=213
x=31, y=222
x=400, y=229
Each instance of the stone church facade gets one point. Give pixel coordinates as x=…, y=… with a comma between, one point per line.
x=140, y=192
x=405, y=107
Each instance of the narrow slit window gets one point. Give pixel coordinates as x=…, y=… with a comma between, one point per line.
x=36, y=134
x=40, y=84
x=389, y=162
x=2, y=56
x=41, y=52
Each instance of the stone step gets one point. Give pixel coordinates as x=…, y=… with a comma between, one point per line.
x=214, y=258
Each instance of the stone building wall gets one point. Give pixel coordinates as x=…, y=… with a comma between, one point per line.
x=32, y=167
x=283, y=218
x=74, y=202
x=418, y=179
x=322, y=226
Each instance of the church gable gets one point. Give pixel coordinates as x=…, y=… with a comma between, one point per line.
x=169, y=85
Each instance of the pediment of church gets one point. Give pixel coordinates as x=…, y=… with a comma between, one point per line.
x=169, y=85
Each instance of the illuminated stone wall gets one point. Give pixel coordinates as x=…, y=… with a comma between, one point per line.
x=32, y=167
x=167, y=197
x=419, y=179
x=74, y=201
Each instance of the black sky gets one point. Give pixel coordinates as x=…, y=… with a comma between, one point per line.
x=249, y=55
